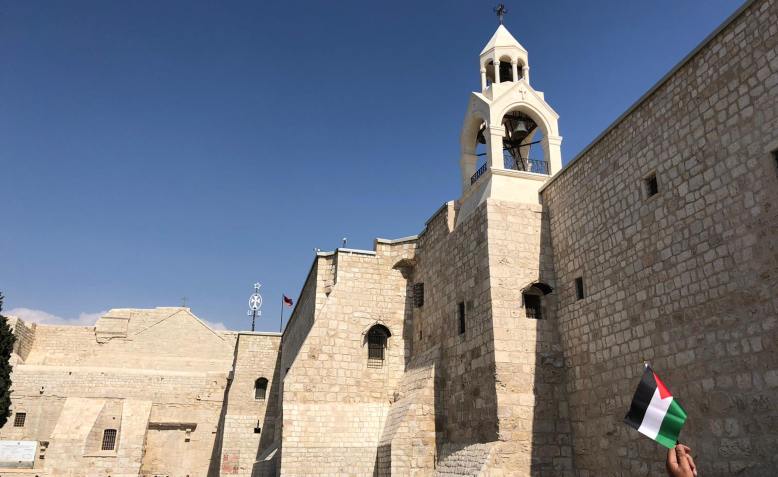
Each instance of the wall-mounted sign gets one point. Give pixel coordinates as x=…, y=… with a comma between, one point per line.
x=17, y=454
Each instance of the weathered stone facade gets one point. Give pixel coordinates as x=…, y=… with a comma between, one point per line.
x=158, y=377
x=687, y=278
x=469, y=349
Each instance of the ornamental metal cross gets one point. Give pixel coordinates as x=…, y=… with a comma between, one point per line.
x=500, y=10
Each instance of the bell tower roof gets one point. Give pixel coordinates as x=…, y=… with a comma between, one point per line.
x=502, y=38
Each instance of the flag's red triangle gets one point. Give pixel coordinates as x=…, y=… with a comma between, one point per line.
x=663, y=392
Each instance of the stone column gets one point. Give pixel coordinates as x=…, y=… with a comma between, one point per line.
x=483, y=78
x=494, y=141
x=497, y=71
x=525, y=73
x=551, y=145
x=515, y=67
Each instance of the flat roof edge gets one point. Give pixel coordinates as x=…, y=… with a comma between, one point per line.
x=409, y=238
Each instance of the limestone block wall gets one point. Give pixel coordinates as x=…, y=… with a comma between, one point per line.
x=334, y=405
x=686, y=278
x=25, y=335
x=453, y=264
x=407, y=445
x=168, y=338
x=74, y=450
x=69, y=375
x=177, y=397
x=531, y=404
x=256, y=356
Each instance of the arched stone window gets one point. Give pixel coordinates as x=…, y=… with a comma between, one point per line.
x=506, y=69
x=377, y=338
x=260, y=389
x=532, y=299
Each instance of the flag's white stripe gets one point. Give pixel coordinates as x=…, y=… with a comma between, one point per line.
x=655, y=414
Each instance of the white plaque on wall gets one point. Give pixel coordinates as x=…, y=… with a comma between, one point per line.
x=17, y=454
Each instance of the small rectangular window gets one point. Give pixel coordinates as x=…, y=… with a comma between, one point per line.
x=109, y=439
x=461, y=315
x=19, y=419
x=579, y=288
x=652, y=187
x=418, y=295
x=532, y=306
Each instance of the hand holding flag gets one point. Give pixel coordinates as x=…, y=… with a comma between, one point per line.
x=654, y=412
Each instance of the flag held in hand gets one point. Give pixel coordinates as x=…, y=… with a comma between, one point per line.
x=654, y=412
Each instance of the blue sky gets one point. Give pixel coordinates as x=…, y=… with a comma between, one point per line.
x=155, y=150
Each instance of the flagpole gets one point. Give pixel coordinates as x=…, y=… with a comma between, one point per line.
x=281, y=323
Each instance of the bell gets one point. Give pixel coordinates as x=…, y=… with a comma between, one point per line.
x=520, y=129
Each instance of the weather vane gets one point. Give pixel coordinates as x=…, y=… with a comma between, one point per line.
x=500, y=10
x=255, y=303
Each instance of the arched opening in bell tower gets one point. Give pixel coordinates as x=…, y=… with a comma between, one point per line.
x=510, y=69
x=523, y=144
x=480, y=148
x=506, y=72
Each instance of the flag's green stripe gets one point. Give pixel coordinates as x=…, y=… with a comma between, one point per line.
x=671, y=425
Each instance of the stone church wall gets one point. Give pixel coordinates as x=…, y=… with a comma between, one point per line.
x=256, y=356
x=334, y=404
x=72, y=387
x=453, y=265
x=534, y=431
x=686, y=278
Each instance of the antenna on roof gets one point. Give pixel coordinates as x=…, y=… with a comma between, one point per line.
x=183, y=302
x=344, y=242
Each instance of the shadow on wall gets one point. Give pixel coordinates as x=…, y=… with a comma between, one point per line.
x=462, y=322
x=383, y=460
x=269, y=450
x=551, y=450
x=216, y=453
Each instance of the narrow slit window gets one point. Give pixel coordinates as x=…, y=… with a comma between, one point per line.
x=579, y=288
x=651, y=185
x=260, y=389
x=461, y=316
x=109, y=440
x=19, y=419
x=775, y=160
x=418, y=295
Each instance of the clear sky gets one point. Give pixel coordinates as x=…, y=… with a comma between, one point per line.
x=154, y=150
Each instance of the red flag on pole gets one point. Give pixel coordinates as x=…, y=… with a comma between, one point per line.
x=288, y=301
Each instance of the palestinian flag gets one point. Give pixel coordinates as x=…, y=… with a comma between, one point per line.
x=654, y=412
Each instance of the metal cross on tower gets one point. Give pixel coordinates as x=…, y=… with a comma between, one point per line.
x=255, y=303
x=500, y=10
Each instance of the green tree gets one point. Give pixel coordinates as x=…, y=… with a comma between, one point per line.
x=6, y=347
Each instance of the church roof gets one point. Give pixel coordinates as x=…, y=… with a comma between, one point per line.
x=502, y=37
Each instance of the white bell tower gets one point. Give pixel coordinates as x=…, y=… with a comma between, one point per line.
x=510, y=142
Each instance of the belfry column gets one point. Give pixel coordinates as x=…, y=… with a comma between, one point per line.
x=525, y=73
x=467, y=166
x=496, y=71
x=552, y=145
x=483, y=78
x=496, y=133
x=515, y=68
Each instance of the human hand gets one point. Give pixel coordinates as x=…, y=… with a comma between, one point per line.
x=680, y=462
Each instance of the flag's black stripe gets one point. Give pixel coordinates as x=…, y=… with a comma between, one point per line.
x=642, y=399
